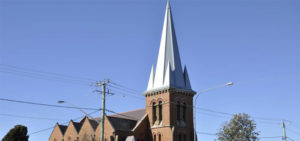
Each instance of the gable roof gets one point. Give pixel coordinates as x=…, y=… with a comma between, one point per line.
x=131, y=115
x=78, y=125
x=121, y=123
x=93, y=123
x=125, y=120
x=62, y=128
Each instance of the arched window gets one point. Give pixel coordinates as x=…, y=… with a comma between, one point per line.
x=184, y=137
x=154, y=137
x=160, y=111
x=154, y=117
x=159, y=137
x=184, y=112
x=178, y=111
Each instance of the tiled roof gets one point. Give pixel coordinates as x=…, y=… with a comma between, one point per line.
x=132, y=115
x=125, y=120
x=121, y=123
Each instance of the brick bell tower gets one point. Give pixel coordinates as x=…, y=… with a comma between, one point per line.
x=169, y=96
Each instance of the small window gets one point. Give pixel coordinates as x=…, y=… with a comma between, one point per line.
x=184, y=112
x=154, y=137
x=159, y=137
x=154, y=117
x=160, y=111
x=178, y=111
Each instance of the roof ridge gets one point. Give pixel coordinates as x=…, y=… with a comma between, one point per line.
x=128, y=111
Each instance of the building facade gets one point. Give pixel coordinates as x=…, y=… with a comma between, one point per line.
x=168, y=114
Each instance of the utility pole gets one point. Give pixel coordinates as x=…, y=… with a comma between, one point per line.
x=284, y=132
x=103, y=84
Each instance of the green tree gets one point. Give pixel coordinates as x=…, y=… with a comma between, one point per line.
x=240, y=128
x=18, y=133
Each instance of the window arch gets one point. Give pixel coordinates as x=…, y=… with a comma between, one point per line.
x=154, y=116
x=184, y=112
x=178, y=111
x=154, y=137
x=160, y=111
x=159, y=137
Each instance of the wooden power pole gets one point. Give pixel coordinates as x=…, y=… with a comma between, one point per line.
x=103, y=92
x=284, y=132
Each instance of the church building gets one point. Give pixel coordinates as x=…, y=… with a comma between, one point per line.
x=168, y=114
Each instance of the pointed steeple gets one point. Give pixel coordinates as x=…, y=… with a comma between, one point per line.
x=168, y=72
x=151, y=79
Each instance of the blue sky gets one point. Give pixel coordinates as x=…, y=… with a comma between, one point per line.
x=254, y=43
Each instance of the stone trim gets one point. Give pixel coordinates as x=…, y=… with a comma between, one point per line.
x=171, y=90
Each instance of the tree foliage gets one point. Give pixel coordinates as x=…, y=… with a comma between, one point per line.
x=240, y=128
x=18, y=133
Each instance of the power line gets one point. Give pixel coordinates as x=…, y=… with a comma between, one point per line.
x=214, y=134
x=43, y=77
x=122, y=89
x=60, y=106
x=24, y=72
x=204, y=133
x=208, y=110
x=30, y=117
x=290, y=139
x=294, y=132
x=46, y=73
x=270, y=137
x=42, y=130
x=295, y=125
x=125, y=87
x=126, y=94
x=43, y=104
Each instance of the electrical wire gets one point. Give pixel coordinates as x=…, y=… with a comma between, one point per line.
x=45, y=129
x=123, y=89
x=30, y=117
x=60, y=106
x=277, y=120
x=43, y=104
x=294, y=132
x=270, y=137
x=43, y=77
x=122, y=86
x=126, y=94
x=36, y=74
x=204, y=133
x=290, y=139
x=46, y=73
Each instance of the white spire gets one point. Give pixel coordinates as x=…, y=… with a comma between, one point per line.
x=168, y=71
x=151, y=79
